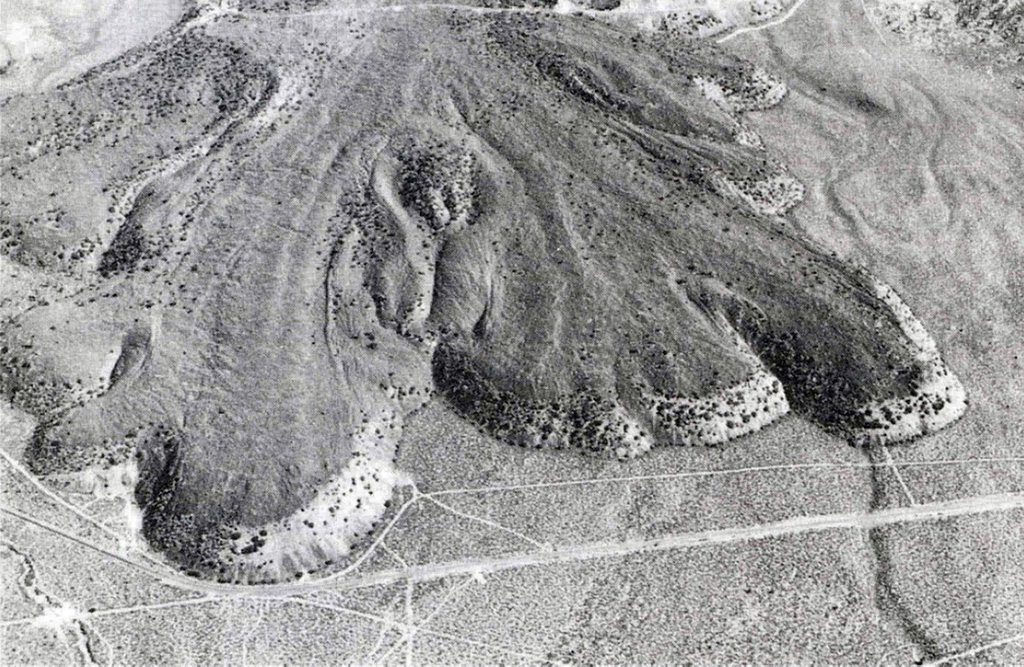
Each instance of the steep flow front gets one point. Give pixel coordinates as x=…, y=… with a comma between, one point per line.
x=562, y=228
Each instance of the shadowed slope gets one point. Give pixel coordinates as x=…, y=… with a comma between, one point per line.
x=564, y=232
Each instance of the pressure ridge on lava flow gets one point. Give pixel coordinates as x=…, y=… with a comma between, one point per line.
x=276, y=243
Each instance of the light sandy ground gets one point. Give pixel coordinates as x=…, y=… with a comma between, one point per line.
x=45, y=43
x=754, y=552
x=909, y=164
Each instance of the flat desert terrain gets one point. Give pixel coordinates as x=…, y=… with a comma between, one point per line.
x=500, y=332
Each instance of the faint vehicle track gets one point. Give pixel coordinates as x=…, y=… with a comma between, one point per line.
x=56, y=498
x=977, y=650
x=476, y=567
x=767, y=24
x=54, y=611
x=894, y=184
x=588, y=551
x=855, y=520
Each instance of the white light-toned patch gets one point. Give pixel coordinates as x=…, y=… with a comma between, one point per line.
x=57, y=618
x=16, y=428
x=938, y=399
x=772, y=196
x=758, y=92
x=712, y=90
x=291, y=88
x=19, y=35
x=698, y=18
x=777, y=193
x=325, y=530
x=749, y=138
x=743, y=408
x=772, y=91
x=209, y=11
x=115, y=482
